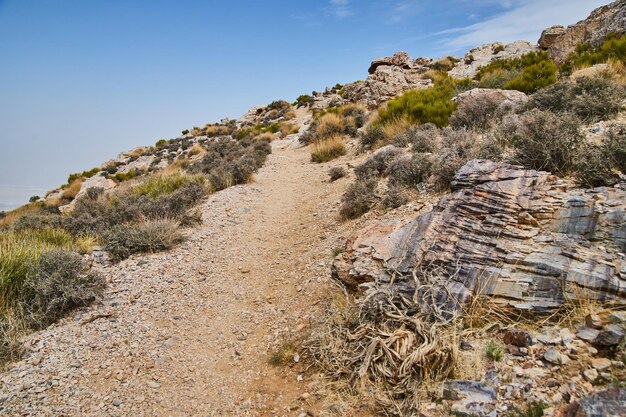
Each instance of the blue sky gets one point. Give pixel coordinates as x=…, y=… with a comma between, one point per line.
x=81, y=81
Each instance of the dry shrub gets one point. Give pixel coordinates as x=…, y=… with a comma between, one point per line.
x=61, y=281
x=457, y=147
x=396, y=197
x=150, y=236
x=325, y=150
x=358, y=199
x=591, y=99
x=422, y=138
x=384, y=350
x=72, y=189
x=329, y=125
x=196, y=150
x=394, y=128
x=410, y=171
x=543, y=140
x=376, y=165
x=287, y=129
x=336, y=172
x=475, y=113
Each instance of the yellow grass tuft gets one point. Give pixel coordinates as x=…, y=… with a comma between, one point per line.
x=329, y=125
x=325, y=150
x=70, y=192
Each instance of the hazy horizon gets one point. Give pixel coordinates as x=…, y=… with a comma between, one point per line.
x=84, y=81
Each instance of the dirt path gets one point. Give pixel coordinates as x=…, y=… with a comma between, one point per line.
x=189, y=331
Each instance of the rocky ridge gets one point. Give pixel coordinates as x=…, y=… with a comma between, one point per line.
x=560, y=41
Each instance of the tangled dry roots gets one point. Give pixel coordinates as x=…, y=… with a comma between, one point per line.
x=387, y=349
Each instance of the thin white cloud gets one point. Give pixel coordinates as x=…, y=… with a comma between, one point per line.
x=524, y=20
x=340, y=8
x=403, y=9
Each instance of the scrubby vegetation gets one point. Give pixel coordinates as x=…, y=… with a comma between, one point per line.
x=543, y=134
x=613, y=49
x=528, y=73
x=327, y=131
x=433, y=105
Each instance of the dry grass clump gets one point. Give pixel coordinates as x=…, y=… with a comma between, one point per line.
x=150, y=236
x=72, y=190
x=166, y=182
x=325, y=150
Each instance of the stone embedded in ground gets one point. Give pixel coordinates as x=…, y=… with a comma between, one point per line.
x=555, y=357
x=519, y=338
x=588, y=334
x=600, y=364
x=610, y=335
x=608, y=403
x=470, y=398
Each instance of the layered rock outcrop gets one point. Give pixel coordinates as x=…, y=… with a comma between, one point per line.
x=525, y=238
x=560, y=41
x=389, y=77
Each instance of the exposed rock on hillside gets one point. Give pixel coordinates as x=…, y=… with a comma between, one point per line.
x=523, y=237
x=483, y=55
x=492, y=95
x=388, y=78
x=560, y=41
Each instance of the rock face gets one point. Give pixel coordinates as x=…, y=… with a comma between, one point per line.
x=389, y=77
x=525, y=238
x=97, y=181
x=560, y=41
x=483, y=55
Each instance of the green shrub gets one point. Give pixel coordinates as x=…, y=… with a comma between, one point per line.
x=33, y=198
x=125, y=176
x=303, y=100
x=544, y=140
x=185, y=132
x=432, y=105
x=162, y=143
x=586, y=55
x=591, y=99
x=150, y=236
x=494, y=351
x=84, y=174
x=527, y=73
x=498, y=48
x=59, y=282
x=358, y=199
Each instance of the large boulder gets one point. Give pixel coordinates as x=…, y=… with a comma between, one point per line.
x=97, y=181
x=389, y=77
x=525, y=238
x=560, y=41
x=492, y=95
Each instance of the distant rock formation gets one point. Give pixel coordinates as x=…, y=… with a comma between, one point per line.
x=560, y=41
x=483, y=55
x=389, y=77
x=526, y=238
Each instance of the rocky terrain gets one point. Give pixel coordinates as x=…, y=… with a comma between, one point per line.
x=502, y=294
